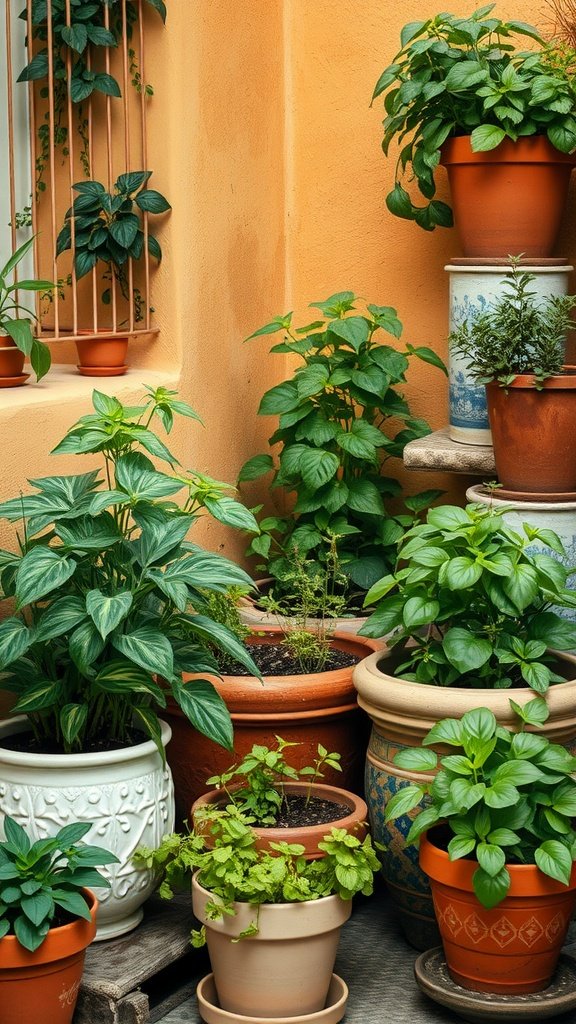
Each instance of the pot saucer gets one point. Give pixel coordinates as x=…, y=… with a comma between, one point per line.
x=555, y=496
x=433, y=979
x=102, y=371
x=211, y=1013
x=14, y=382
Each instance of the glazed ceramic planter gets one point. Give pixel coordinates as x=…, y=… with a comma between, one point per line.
x=307, y=835
x=510, y=199
x=126, y=793
x=304, y=709
x=473, y=289
x=534, y=433
x=43, y=986
x=283, y=971
x=559, y=516
x=402, y=712
x=511, y=949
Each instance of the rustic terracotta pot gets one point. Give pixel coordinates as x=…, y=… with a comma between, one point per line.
x=305, y=709
x=43, y=986
x=402, y=712
x=308, y=835
x=286, y=969
x=510, y=199
x=11, y=358
x=534, y=433
x=514, y=947
x=102, y=352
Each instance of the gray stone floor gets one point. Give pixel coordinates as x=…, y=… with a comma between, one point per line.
x=377, y=965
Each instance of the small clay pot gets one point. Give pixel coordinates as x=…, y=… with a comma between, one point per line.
x=534, y=433
x=11, y=358
x=510, y=199
x=102, y=352
x=512, y=948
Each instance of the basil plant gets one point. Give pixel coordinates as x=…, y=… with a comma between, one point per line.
x=110, y=595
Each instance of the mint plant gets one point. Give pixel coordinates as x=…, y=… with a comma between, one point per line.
x=19, y=328
x=335, y=438
x=466, y=76
x=109, y=593
x=507, y=797
x=474, y=602
x=40, y=881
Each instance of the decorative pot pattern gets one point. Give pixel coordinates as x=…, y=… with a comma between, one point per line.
x=472, y=290
x=559, y=516
x=126, y=793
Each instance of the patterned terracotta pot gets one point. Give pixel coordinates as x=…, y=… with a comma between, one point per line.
x=126, y=793
x=511, y=949
x=402, y=713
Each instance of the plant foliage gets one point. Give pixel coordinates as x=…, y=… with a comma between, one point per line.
x=11, y=323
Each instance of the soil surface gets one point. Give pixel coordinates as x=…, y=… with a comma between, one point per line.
x=297, y=811
x=276, y=660
x=26, y=743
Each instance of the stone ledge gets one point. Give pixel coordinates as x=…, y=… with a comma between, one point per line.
x=63, y=385
x=438, y=452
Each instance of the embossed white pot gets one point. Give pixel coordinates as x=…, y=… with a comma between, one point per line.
x=126, y=793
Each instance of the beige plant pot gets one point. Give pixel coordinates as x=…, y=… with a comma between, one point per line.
x=402, y=712
x=253, y=616
x=286, y=969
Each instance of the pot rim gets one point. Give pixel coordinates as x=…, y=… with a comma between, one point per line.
x=13, y=955
x=558, y=382
x=356, y=806
x=458, y=150
x=323, y=901
x=9, y=726
x=477, y=494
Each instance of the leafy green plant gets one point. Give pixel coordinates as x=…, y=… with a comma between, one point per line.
x=109, y=592
x=108, y=227
x=333, y=442
x=474, y=602
x=255, y=785
x=11, y=323
x=517, y=333
x=465, y=76
x=234, y=870
x=39, y=881
x=507, y=797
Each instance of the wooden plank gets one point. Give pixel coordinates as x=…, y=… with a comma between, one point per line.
x=438, y=452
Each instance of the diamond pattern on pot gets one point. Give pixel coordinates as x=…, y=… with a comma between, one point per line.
x=503, y=932
x=556, y=925
x=475, y=928
x=530, y=932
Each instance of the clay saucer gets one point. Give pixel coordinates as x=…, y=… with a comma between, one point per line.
x=14, y=382
x=556, y=496
x=102, y=371
x=433, y=979
x=211, y=1013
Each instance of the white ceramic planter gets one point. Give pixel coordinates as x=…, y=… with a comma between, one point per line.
x=126, y=793
x=472, y=290
x=283, y=971
x=559, y=516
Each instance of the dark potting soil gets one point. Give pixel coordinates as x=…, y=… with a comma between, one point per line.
x=26, y=743
x=276, y=660
x=297, y=811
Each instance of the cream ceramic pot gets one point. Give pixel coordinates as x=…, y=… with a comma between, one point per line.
x=127, y=794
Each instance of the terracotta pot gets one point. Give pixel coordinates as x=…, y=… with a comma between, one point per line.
x=286, y=969
x=308, y=835
x=510, y=199
x=43, y=986
x=11, y=358
x=304, y=709
x=511, y=949
x=252, y=615
x=103, y=351
x=534, y=433
x=402, y=712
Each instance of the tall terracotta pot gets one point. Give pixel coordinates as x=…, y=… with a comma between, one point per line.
x=511, y=949
x=510, y=199
x=43, y=986
x=305, y=709
x=534, y=433
x=283, y=971
x=402, y=712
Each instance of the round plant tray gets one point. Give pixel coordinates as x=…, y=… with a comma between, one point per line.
x=534, y=496
x=102, y=371
x=432, y=977
x=14, y=382
x=211, y=1013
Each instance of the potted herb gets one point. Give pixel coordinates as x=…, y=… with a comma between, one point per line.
x=107, y=591
x=280, y=801
x=47, y=919
x=516, y=348
x=334, y=450
x=501, y=119
x=472, y=610
x=302, y=685
x=268, y=917
x=498, y=843
x=16, y=334
x=108, y=229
